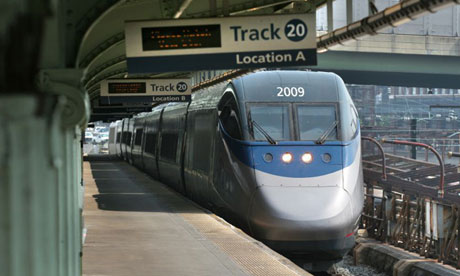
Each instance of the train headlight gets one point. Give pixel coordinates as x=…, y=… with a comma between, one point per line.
x=287, y=157
x=307, y=157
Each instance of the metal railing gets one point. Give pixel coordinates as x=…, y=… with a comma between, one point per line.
x=411, y=215
x=438, y=156
x=382, y=152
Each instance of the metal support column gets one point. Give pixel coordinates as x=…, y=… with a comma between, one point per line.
x=390, y=208
x=413, y=136
x=40, y=177
x=28, y=201
x=349, y=11
x=65, y=83
x=330, y=16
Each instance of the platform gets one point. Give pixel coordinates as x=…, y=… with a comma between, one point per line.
x=138, y=226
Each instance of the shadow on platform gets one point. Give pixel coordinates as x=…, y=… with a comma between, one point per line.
x=123, y=187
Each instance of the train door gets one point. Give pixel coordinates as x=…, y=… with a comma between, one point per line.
x=150, y=148
x=199, y=156
x=171, y=140
x=112, y=137
x=136, y=152
x=141, y=151
x=124, y=137
x=118, y=140
x=130, y=140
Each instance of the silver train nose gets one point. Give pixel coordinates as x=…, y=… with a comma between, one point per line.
x=303, y=218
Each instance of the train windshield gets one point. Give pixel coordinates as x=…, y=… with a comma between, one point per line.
x=273, y=119
x=315, y=121
x=311, y=122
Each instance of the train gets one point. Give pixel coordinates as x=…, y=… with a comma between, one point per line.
x=275, y=153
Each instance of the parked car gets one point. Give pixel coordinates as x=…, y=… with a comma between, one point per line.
x=88, y=137
x=101, y=129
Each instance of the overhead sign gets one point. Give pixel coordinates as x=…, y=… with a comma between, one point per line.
x=145, y=90
x=221, y=43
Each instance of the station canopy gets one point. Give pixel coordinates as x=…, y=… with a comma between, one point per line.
x=102, y=50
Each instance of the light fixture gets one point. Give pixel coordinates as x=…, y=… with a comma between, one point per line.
x=287, y=157
x=307, y=157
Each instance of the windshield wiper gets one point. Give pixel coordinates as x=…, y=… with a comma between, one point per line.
x=326, y=134
x=268, y=137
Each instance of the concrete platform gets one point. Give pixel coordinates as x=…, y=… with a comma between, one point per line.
x=137, y=226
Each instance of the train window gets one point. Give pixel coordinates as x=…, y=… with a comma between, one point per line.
x=169, y=146
x=354, y=120
x=314, y=121
x=273, y=119
x=138, y=137
x=118, y=137
x=150, y=143
x=230, y=121
x=127, y=138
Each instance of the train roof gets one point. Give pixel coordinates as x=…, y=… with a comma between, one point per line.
x=263, y=86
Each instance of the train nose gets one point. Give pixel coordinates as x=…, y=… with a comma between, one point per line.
x=295, y=218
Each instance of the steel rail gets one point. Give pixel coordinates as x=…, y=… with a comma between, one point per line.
x=453, y=154
x=441, y=163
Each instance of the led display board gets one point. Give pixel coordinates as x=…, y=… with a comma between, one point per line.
x=180, y=37
x=126, y=88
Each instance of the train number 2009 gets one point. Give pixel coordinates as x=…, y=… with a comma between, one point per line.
x=290, y=91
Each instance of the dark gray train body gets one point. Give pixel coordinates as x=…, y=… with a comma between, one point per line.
x=212, y=151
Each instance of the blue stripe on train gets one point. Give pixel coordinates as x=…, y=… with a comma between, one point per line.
x=251, y=153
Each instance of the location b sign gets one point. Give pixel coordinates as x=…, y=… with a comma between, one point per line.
x=114, y=91
x=221, y=43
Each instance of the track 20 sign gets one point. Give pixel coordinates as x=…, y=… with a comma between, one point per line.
x=221, y=43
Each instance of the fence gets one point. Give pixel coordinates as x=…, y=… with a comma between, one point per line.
x=412, y=204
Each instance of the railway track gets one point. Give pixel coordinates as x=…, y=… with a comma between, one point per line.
x=347, y=268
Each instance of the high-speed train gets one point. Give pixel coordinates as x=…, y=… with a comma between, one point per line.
x=276, y=153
